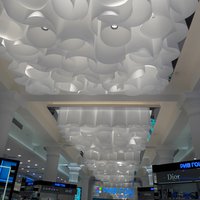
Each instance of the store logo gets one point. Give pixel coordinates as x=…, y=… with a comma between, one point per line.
x=190, y=165
x=173, y=177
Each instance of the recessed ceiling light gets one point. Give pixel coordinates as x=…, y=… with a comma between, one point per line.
x=153, y=15
x=195, y=158
x=28, y=166
x=40, y=176
x=114, y=26
x=8, y=149
x=21, y=163
x=36, y=165
x=44, y=28
x=19, y=155
x=33, y=174
x=22, y=168
x=42, y=168
x=29, y=160
x=27, y=171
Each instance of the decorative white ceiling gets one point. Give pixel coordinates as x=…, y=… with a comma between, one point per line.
x=110, y=138
x=93, y=46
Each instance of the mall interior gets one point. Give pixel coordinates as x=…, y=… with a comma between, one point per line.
x=99, y=99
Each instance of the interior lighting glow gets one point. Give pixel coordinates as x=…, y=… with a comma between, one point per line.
x=114, y=26
x=44, y=28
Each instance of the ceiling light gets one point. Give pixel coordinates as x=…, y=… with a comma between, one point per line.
x=22, y=168
x=29, y=67
x=44, y=28
x=92, y=146
x=19, y=156
x=42, y=168
x=3, y=43
x=114, y=26
x=29, y=161
x=40, y=176
x=36, y=165
x=8, y=149
x=195, y=158
x=132, y=141
x=153, y=15
x=28, y=171
x=33, y=174
x=28, y=166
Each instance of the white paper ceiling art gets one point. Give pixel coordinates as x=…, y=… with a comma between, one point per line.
x=93, y=46
x=110, y=139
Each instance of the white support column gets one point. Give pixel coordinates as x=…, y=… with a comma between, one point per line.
x=74, y=172
x=9, y=102
x=144, y=176
x=84, y=184
x=51, y=167
x=165, y=156
x=192, y=107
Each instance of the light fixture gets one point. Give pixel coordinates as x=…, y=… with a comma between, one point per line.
x=44, y=28
x=19, y=155
x=132, y=141
x=28, y=171
x=22, y=168
x=114, y=26
x=42, y=168
x=36, y=165
x=33, y=174
x=28, y=166
x=8, y=149
x=130, y=48
x=29, y=161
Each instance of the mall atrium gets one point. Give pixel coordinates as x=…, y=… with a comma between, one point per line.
x=99, y=99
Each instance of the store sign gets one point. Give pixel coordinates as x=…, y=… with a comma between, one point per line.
x=173, y=177
x=177, y=176
x=190, y=165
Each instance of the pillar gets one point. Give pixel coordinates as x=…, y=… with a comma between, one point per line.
x=74, y=172
x=86, y=182
x=192, y=108
x=165, y=156
x=143, y=175
x=9, y=102
x=51, y=167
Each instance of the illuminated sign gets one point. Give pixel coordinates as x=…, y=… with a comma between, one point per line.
x=78, y=194
x=59, y=185
x=190, y=165
x=173, y=177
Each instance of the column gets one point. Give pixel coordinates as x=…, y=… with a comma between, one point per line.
x=74, y=172
x=51, y=167
x=9, y=102
x=143, y=175
x=192, y=107
x=84, y=183
x=165, y=156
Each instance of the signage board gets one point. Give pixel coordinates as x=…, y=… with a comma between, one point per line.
x=194, y=164
x=178, y=176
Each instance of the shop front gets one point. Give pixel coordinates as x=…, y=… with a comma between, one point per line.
x=177, y=180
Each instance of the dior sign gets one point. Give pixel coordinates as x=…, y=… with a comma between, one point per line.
x=173, y=177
